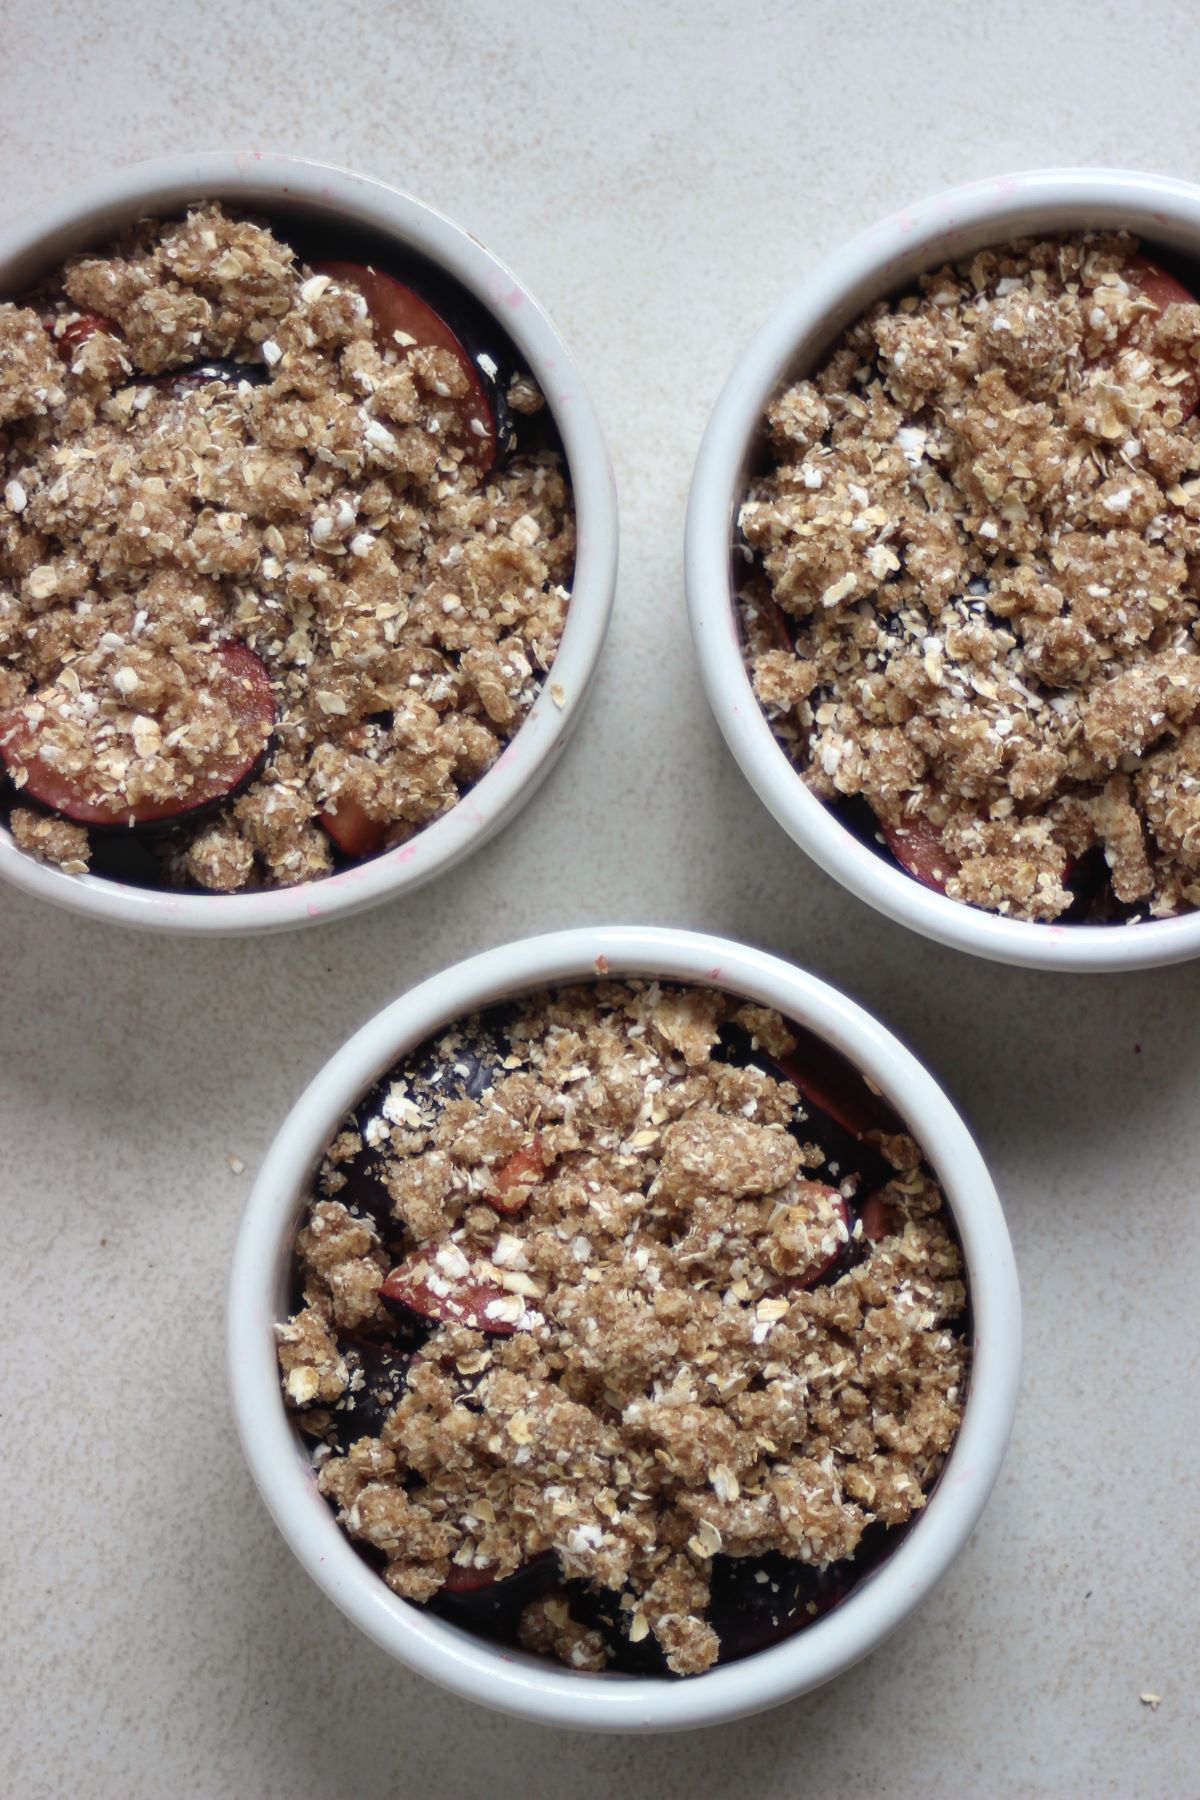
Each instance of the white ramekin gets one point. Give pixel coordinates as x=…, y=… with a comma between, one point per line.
x=886, y=260
x=280, y=186
x=501, y=1677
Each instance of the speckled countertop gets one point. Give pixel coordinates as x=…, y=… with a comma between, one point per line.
x=659, y=175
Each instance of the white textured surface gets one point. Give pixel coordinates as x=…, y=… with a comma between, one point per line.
x=658, y=176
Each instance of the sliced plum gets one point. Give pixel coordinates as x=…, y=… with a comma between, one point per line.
x=238, y=680
x=354, y=831
x=830, y=1081
x=839, y=1108
x=69, y=333
x=357, y=832
x=404, y=321
x=1161, y=289
x=878, y=1218
x=920, y=851
x=1153, y=282
x=513, y=1181
x=757, y=1601
x=439, y=1283
x=476, y=1600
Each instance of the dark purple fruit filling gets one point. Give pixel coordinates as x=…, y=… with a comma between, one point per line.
x=758, y=1601
x=429, y=1081
x=379, y=1372
x=478, y=1602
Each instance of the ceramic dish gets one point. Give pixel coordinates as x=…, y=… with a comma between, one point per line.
x=340, y=202
x=497, y=1675
x=882, y=261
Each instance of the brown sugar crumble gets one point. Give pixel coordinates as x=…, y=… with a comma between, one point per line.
x=206, y=444
x=657, y=1342
x=976, y=594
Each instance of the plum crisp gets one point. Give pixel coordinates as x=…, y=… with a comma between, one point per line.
x=282, y=562
x=629, y=1326
x=973, y=611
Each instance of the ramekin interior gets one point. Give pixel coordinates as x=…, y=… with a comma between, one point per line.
x=883, y=260
x=506, y=1679
x=279, y=185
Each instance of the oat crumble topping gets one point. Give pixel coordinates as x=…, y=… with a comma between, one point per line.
x=606, y=1226
x=976, y=600
x=313, y=497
